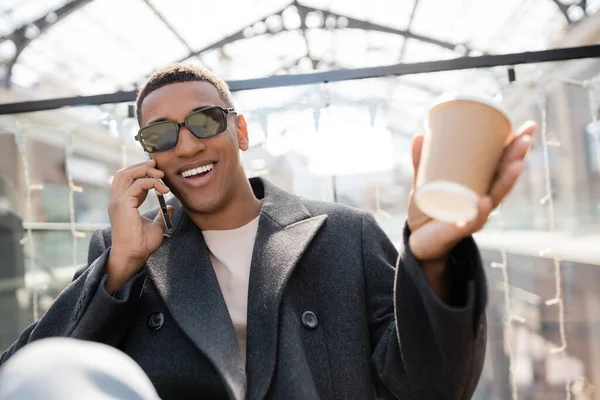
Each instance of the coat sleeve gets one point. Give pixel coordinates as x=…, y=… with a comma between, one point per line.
x=84, y=309
x=423, y=348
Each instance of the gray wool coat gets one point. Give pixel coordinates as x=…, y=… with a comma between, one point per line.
x=329, y=314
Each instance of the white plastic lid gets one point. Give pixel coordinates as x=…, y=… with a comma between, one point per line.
x=447, y=201
x=477, y=98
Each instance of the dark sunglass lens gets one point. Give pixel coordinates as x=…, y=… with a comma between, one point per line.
x=159, y=137
x=207, y=123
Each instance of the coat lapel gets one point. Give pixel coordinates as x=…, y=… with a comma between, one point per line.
x=183, y=274
x=284, y=233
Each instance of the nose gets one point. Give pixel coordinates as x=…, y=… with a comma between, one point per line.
x=188, y=145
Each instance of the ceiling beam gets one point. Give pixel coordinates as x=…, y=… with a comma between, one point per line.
x=21, y=40
x=46, y=22
x=168, y=25
x=461, y=63
x=353, y=23
x=239, y=35
x=408, y=27
x=315, y=61
x=564, y=9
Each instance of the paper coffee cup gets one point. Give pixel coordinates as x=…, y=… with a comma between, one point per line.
x=464, y=139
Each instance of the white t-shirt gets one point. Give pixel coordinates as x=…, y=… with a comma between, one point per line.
x=231, y=256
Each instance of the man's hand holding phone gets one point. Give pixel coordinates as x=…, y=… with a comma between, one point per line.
x=134, y=238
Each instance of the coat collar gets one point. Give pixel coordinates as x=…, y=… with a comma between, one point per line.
x=182, y=273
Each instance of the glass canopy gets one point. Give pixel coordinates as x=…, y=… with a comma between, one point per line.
x=105, y=45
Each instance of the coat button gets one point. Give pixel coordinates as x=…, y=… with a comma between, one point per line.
x=309, y=320
x=156, y=321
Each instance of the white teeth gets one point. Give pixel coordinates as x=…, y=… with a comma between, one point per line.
x=196, y=171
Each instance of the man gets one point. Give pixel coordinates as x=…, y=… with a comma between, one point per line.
x=256, y=293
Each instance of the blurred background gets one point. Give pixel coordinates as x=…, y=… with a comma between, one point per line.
x=346, y=142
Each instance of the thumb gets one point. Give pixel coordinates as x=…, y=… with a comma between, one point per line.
x=436, y=239
x=416, y=146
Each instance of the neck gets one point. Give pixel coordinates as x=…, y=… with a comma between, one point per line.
x=242, y=209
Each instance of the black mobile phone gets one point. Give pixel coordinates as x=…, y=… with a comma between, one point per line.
x=163, y=209
x=163, y=204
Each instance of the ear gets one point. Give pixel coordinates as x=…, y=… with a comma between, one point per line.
x=242, y=131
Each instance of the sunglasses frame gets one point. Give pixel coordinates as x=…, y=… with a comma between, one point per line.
x=179, y=125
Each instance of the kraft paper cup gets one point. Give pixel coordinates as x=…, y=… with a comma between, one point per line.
x=465, y=136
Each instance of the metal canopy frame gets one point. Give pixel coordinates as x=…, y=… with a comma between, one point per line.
x=565, y=9
x=21, y=40
x=168, y=25
x=486, y=61
x=352, y=23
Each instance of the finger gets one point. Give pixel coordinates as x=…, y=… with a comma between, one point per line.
x=140, y=170
x=125, y=178
x=484, y=209
x=437, y=238
x=505, y=182
x=527, y=129
x=416, y=146
x=522, y=135
x=150, y=162
x=140, y=188
x=516, y=151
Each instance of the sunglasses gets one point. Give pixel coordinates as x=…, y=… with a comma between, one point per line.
x=204, y=123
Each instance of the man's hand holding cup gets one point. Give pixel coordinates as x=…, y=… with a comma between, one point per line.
x=465, y=164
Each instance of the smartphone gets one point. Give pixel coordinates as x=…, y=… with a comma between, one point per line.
x=162, y=203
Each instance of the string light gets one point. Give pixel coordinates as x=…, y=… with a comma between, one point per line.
x=510, y=318
x=548, y=200
x=75, y=234
x=27, y=240
x=593, y=101
x=591, y=86
x=321, y=109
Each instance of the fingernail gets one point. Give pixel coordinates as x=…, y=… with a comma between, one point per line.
x=526, y=138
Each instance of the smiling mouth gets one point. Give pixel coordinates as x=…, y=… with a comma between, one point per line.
x=198, y=172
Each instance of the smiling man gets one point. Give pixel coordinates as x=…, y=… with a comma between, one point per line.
x=257, y=293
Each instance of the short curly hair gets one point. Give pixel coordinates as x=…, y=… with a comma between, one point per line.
x=178, y=73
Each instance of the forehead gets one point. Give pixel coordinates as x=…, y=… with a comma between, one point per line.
x=176, y=100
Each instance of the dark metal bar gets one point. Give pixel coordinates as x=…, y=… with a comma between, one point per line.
x=487, y=61
x=53, y=104
x=355, y=23
x=563, y=9
x=512, y=75
x=168, y=25
x=43, y=24
x=304, y=10
x=408, y=28
x=239, y=35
